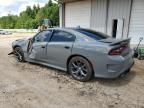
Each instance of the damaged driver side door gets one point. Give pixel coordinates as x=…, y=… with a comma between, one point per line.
x=38, y=46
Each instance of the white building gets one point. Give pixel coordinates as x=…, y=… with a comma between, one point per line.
x=118, y=18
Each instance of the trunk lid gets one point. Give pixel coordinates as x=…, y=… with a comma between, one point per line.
x=118, y=43
x=113, y=42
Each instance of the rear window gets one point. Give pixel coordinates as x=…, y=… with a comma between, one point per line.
x=93, y=34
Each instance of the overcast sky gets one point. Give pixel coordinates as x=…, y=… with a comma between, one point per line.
x=17, y=6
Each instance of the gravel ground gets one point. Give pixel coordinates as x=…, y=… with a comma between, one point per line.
x=25, y=85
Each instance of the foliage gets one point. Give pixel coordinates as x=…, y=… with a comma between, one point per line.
x=31, y=17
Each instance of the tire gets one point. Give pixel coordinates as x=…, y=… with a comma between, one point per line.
x=125, y=73
x=19, y=54
x=80, y=69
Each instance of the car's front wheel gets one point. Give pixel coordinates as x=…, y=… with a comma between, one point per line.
x=19, y=54
x=80, y=69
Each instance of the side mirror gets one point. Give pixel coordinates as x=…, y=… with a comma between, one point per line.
x=34, y=39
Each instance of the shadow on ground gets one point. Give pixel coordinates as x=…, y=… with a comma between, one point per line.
x=121, y=81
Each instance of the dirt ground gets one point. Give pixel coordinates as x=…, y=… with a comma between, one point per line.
x=25, y=85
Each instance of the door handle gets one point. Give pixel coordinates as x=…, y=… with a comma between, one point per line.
x=67, y=47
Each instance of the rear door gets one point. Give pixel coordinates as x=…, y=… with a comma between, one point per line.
x=38, y=47
x=60, y=47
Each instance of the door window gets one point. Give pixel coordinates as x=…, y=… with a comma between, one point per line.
x=61, y=36
x=43, y=36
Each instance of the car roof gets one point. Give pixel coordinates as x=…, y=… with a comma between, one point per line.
x=68, y=28
x=63, y=29
x=58, y=28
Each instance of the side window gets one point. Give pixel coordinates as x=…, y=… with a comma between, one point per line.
x=43, y=36
x=61, y=36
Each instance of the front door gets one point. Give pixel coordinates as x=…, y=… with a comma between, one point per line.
x=38, y=48
x=59, y=48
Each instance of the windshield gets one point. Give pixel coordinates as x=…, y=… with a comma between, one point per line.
x=93, y=34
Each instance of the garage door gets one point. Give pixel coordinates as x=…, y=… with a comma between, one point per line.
x=78, y=14
x=137, y=21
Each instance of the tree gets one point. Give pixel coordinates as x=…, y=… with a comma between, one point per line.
x=40, y=15
x=31, y=17
x=50, y=3
x=8, y=21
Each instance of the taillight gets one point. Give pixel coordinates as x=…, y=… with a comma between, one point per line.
x=118, y=51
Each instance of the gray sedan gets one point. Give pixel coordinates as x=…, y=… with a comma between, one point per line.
x=83, y=53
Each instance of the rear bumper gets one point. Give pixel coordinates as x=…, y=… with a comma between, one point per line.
x=115, y=66
x=119, y=72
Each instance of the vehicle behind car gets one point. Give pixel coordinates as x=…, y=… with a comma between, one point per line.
x=3, y=32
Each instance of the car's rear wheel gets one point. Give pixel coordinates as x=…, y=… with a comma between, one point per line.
x=80, y=69
x=19, y=54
